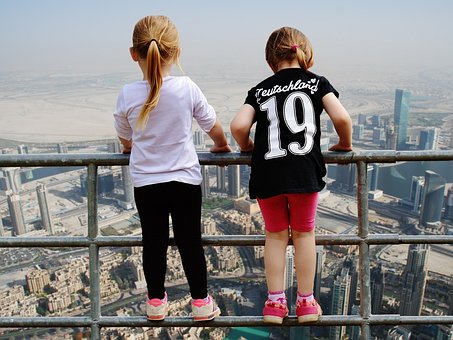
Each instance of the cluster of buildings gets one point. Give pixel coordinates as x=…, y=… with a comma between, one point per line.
x=429, y=198
x=60, y=289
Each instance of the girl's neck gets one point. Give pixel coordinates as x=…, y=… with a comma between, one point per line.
x=287, y=64
x=165, y=69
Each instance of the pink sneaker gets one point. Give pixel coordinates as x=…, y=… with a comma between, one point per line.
x=203, y=311
x=308, y=311
x=156, y=309
x=275, y=312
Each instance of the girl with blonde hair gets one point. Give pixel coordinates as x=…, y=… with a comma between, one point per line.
x=153, y=120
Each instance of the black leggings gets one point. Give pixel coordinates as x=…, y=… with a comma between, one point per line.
x=154, y=205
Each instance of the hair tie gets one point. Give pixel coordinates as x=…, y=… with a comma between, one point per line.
x=294, y=47
x=153, y=40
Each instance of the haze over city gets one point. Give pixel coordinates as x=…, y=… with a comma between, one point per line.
x=61, y=68
x=64, y=62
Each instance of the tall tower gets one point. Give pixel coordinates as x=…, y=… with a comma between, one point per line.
x=114, y=146
x=373, y=175
x=339, y=302
x=449, y=205
x=401, y=113
x=46, y=219
x=289, y=276
x=429, y=139
x=345, y=177
x=320, y=259
x=416, y=193
x=205, y=188
x=15, y=212
x=220, y=172
x=234, y=181
x=444, y=332
x=13, y=180
x=450, y=296
x=2, y=228
x=377, y=288
x=128, y=187
x=22, y=149
x=433, y=198
x=414, y=279
x=351, y=263
x=62, y=148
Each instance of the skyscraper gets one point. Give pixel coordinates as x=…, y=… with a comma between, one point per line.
x=449, y=204
x=15, y=212
x=401, y=113
x=339, y=302
x=289, y=277
x=414, y=279
x=205, y=188
x=378, y=135
x=450, y=296
x=128, y=187
x=234, y=181
x=13, y=180
x=373, y=175
x=345, y=178
x=320, y=259
x=62, y=148
x=46, y=219
x=444, y=332
x=114, y=146
x=221, y=183
x=351, y=263
x=357, y=131
x=433, y=198
x=22, y=149
x=428, y=139
x=2, y=228
x=377, y=288
x=416, y=193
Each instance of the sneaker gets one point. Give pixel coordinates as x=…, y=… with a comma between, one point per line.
x=156, y=309
x=308, y=311
x=275, y=311
x=203, y=311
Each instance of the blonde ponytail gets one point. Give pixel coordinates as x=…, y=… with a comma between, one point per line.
x=156, y=40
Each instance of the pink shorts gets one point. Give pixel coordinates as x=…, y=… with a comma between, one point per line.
x=297, y=211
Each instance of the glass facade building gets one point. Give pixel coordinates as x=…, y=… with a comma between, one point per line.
x=402, y=100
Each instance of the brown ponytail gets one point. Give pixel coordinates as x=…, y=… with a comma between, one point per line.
x=287, y=43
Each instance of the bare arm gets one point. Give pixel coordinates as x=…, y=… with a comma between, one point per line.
x=218, y=136
x=127, y=145
x=341, y=121
x=240, y=127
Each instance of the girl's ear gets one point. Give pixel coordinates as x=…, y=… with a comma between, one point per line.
x=134, y=54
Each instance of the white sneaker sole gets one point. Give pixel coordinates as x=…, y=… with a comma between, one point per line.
x=208, y=317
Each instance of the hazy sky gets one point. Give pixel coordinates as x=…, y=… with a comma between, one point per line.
x=94, y=35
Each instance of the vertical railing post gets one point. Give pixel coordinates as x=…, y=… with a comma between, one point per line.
x=94, y=250
x=364, y=251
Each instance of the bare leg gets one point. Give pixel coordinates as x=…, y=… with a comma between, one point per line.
x=274, y=259
x=305, y=259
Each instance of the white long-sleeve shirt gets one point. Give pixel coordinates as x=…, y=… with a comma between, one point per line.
x=163, y=150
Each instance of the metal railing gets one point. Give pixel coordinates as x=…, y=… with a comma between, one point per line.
x=93, y=241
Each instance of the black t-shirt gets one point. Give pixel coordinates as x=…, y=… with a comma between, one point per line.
x=287, y=156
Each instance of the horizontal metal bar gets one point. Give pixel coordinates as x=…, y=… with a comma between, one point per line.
x=220, y=240
x=408, y=239
x=72, y=321
x=221, y=321
x=223, y=159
